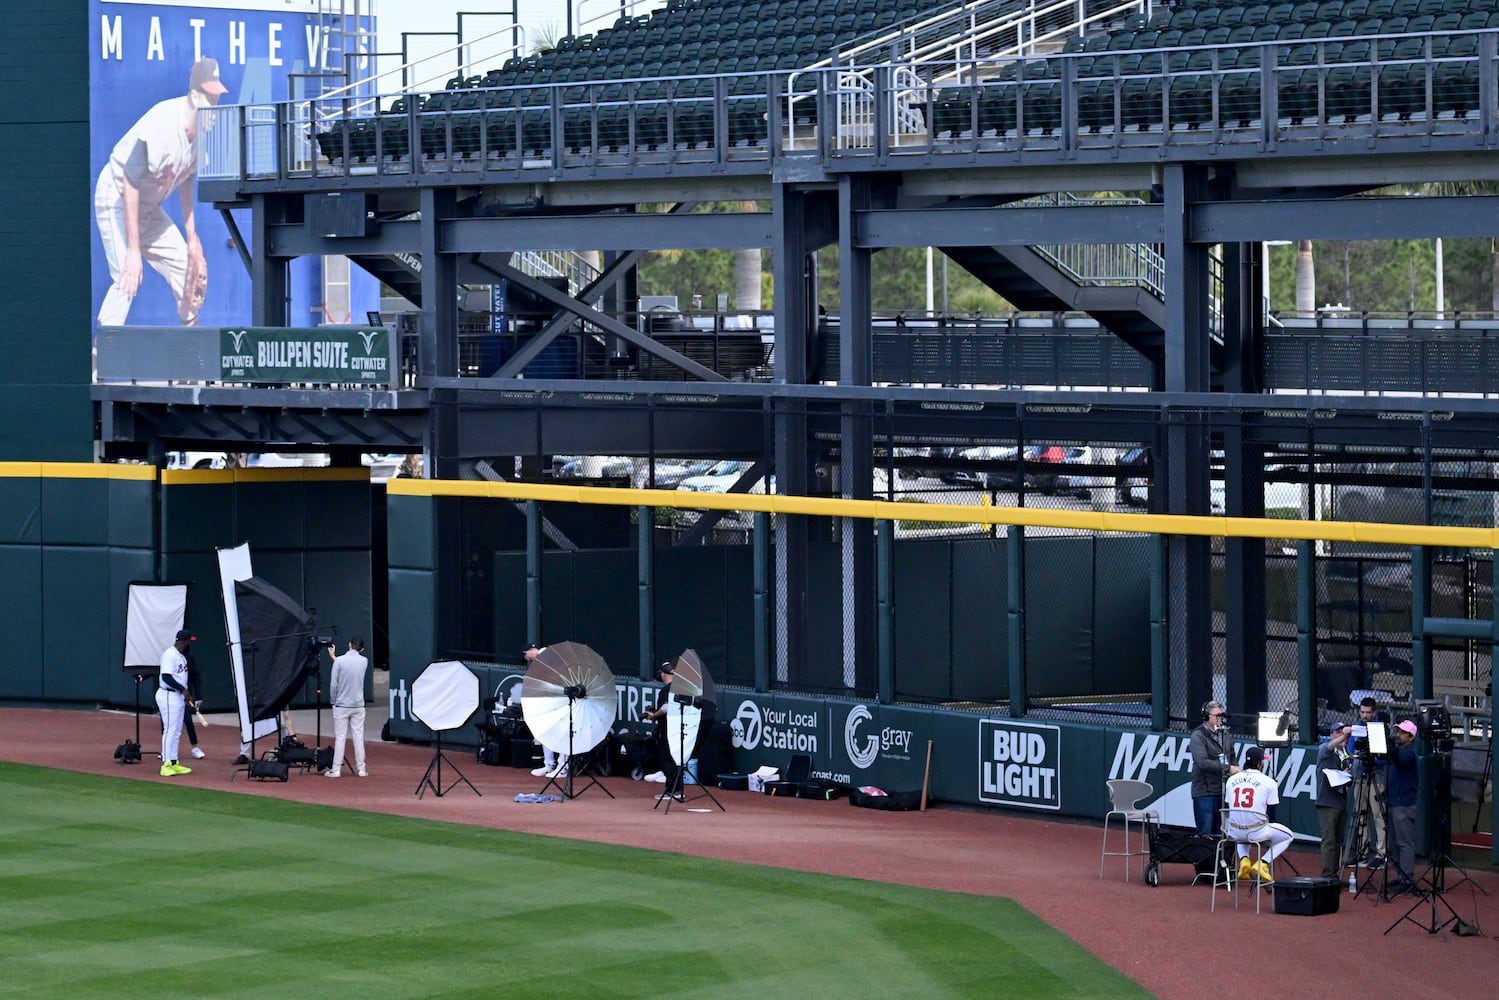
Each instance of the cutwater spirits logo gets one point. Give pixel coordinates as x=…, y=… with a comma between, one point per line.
x=1020, y=764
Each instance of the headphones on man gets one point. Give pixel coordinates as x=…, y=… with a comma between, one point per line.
x=1207, y=708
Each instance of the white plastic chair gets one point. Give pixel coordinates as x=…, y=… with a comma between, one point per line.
x=1226, y=863
x=1125, y=796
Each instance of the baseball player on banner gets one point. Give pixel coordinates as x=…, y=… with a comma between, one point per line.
x=158, y=155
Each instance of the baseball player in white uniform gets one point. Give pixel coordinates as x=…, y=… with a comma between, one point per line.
x=1251, y=796
x=158, y=155
x=346, y=691
x=171, y=701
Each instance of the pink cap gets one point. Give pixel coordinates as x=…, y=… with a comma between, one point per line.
x=1408, y=726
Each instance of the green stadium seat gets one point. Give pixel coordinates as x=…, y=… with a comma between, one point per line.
x=1296, y=87
x=1230, y=17
x=1402, y=83
x=1456, y=83
x=1095, y=93
x=1239, y=94
x=1348, y=93
x=1183, y=18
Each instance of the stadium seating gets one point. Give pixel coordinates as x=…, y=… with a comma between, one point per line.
x=647, y=80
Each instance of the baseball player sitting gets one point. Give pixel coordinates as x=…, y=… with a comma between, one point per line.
x=1252, y=796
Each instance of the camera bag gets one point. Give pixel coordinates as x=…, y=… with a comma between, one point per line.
x=269, y=770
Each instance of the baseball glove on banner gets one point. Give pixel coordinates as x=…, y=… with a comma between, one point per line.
x=194, y=290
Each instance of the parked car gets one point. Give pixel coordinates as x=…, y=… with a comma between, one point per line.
x=718, y=479
x=196, y=459
x=1407, y=504
x=1080, y=486
x=670, y=473
x=594, y=467
x=1132, y=478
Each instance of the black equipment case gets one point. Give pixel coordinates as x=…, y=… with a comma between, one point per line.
x=797, y=771
x=1307, y=896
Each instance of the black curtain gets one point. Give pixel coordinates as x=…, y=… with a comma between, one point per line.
x=279, y=642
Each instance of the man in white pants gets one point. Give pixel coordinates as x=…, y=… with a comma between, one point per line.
x=346, y=691
x=171, y=701
x=157, y=156
x=1252, y=796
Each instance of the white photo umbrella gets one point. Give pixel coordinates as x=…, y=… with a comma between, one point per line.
x=568, y=699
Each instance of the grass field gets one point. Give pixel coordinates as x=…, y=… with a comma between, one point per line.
x=112, y=888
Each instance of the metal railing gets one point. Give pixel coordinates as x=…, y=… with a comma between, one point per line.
x=1271, y=97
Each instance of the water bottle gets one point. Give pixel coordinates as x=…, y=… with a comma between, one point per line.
x=1352, y=882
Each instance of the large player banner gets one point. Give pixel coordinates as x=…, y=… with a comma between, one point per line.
x=151, y=67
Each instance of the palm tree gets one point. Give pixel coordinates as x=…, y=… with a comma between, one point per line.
x=1306, y=280
x=747, y=267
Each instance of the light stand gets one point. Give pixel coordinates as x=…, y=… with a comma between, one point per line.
x=1434, y=877
x=675, y=789
x=130, y=753
x=443, y=697
x=574, y=693
x=433, y=778
x=249, y=765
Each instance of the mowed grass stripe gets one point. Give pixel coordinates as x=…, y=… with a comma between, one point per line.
x=122, y=889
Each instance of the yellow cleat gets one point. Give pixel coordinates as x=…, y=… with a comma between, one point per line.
x=1265, y=877
x=1246, y=867
x=179, y=769
x=167, y=770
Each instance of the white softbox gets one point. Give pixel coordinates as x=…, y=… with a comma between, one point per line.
x=153, y=614
x=234, y=564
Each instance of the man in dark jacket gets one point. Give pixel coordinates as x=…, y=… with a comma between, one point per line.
x=1212, y=761
x=1402, y=782
x=1332, y=800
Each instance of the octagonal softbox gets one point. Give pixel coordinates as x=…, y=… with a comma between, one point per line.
x=445, y=695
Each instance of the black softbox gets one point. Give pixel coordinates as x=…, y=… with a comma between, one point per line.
x=279, y=641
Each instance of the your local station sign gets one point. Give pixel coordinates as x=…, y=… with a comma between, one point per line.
x=322, y=354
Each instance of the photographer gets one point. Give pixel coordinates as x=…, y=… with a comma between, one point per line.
x=1401, y=792
x=1369, y=790
x=1212, y=756
x=1332, y=801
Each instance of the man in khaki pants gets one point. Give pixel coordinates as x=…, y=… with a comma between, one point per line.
x=346, y=691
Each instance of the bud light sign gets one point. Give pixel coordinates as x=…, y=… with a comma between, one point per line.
x=1020, y=764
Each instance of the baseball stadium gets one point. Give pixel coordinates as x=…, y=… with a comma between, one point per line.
x=1166, y=419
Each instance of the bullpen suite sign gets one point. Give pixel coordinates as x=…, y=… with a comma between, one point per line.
x=323, y=354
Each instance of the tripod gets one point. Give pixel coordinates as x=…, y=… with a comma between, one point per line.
x=675, y=788
x=433, y=778
x=1366, y=794
x=1431, y=884
x=563, y=779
